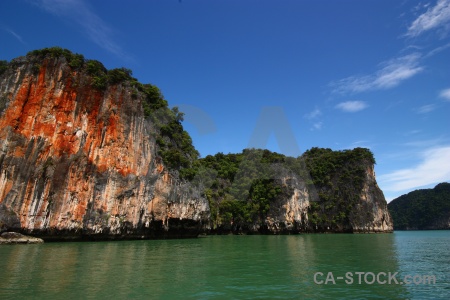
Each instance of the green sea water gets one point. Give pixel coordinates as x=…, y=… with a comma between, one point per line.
x=231, y=267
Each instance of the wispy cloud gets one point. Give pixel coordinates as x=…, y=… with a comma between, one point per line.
x=390, y=74
x=435, y=17
x=412, y=132
x=316, y=126
x=430, y=143
x=79, y=12
x=445, y=94
x=313, y=114
x=426, y=108
x=437, y=50
x=432, y=169
x=14, y=34
x=351, y=106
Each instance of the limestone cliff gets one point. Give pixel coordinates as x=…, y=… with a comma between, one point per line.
x=370, y=213
x=78, y=161
x=291, y=210
x=349, y=199
x=259, y=191
x=87, y=153
x=367, y=214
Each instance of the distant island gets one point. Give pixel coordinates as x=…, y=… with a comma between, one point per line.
x=425, y=209
x=89, y=154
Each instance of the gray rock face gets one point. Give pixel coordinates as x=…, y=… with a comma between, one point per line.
x=290, y=213
x=371, y=213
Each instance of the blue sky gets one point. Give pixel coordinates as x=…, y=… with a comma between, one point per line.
x=335, y=74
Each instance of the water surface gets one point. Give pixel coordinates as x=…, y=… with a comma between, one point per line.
x=228, y=267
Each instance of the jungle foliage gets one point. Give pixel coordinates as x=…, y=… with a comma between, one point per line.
x=338, y=177
x=242, y=188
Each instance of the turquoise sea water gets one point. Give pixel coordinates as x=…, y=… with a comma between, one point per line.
x=230, y=267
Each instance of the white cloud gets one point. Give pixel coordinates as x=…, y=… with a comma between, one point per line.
x=434, y=17
x=314, y=114
x=445, y=94
x=431, y=143
x=317, y=126
x=434, y=168
x=426, y=108
x=351, y=106
x=79, y=12
x=391, y=74
x=437, y=50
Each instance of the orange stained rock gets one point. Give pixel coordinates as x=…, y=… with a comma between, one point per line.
x=45, y=108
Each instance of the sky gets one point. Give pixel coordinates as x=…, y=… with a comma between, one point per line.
x=283, y=75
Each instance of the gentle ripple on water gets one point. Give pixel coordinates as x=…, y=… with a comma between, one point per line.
x=226, y=267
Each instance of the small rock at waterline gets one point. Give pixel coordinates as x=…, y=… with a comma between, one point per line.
x=17, y=238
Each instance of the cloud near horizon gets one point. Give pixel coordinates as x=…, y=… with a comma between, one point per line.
x=79, y=12
x=435, y=17
x=434, y=168
x=391, y=74
x=352, y=106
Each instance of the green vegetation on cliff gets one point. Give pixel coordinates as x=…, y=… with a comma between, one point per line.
x=243, y=188
x=240, y=187
x=338, y=177
x=3, y=66
x=422, y=209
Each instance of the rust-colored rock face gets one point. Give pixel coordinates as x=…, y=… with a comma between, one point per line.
x=80, y=162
